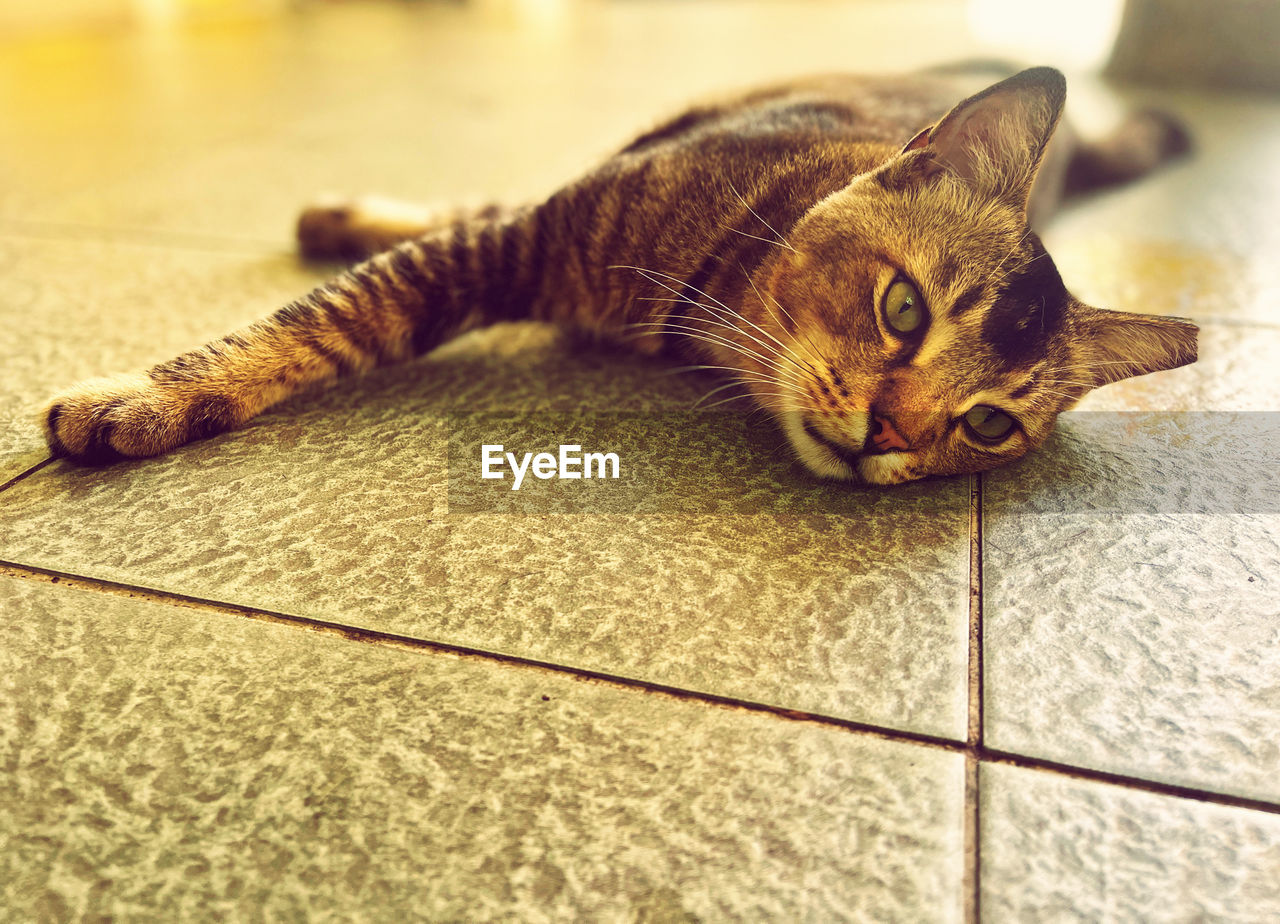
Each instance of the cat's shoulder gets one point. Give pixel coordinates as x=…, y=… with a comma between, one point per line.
x=845, y=106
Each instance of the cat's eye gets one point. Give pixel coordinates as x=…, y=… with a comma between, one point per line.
x=988, y=423
x=903, y=308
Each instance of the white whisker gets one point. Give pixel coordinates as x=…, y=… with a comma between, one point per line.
x=694, y=333
x=714, y=320
x=758, y=238
x=692, y=320
x=800, y=353
x=748, y=395
x=732, y=369
x=760, y=219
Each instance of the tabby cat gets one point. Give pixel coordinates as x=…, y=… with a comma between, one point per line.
x=853, y=254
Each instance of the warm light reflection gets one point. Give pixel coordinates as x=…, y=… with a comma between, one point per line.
x=154, y=13
x=1075, y=34
x=538, y=16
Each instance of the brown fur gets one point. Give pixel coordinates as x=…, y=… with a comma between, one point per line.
x=756, y=235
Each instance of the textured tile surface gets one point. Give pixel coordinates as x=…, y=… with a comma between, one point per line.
x=1131, y=578
x=1055, y=849
x=336, y=508
x=178, y=763
x=1143, y=645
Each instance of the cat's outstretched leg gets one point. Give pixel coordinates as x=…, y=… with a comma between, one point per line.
x=352, y=229
x=1145, y=140
x=397, y=305
x=1074, y=166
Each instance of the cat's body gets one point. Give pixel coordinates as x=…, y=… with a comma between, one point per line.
x=875, y=286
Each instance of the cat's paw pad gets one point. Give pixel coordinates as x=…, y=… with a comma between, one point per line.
x=128, y=416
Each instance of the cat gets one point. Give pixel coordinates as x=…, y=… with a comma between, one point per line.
x=854, y=252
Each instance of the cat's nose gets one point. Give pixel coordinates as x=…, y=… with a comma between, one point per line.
x=884, y=436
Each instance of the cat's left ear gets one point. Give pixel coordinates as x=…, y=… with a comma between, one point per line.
x=1117, y=345
x=995, y=140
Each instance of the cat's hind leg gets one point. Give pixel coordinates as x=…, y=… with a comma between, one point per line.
x=1143, y=141
x=1074, y=166
x=353, y=229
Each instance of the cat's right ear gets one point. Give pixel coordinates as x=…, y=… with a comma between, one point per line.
x=994, y=141
x=1118, y=345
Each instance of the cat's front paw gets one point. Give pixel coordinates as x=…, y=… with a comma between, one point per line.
x=129, y=416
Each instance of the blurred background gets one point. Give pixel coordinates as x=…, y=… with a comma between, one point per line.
x=1221, y=42
x=215, y=121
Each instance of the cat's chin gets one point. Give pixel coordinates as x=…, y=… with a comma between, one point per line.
x=818, y=458
x=824, y=461
x=886, y=468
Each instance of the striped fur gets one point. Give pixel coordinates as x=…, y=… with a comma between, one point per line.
x=757, y=235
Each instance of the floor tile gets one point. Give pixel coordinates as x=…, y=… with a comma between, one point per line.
x=838, y=601
x=1130, y=573
x=1057, y=849
x=87, y=309
x=1142, y=645
x=174, y=762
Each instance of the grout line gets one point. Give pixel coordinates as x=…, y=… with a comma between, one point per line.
x=1010, y=759
x=22, y=476
x=403, y=642
x=977, y=754
x=975, y=727
x=974, y=731
x=972, y=838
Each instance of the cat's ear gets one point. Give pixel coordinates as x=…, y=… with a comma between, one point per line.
x=995, y=140
x=1117, y=345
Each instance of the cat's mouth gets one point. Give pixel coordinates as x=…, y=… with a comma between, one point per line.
x=826, y=457
x=845, y=454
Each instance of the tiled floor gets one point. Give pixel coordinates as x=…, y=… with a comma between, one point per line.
x=279, y=674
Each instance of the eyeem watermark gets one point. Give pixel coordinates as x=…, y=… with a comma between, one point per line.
x=571, y=463
x=1096, y=463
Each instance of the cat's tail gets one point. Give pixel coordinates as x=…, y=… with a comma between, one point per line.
x=1144, y=141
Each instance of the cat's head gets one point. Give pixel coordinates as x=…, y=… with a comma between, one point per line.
x=927, y=330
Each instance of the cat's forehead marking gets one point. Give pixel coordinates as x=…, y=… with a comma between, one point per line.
x=1029, y=309
x=953, y=324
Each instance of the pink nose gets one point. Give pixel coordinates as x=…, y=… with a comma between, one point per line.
x=885, y=437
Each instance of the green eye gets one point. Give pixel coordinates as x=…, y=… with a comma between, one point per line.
x=904, y=308
x=988, y=423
